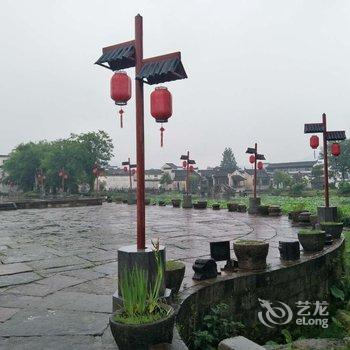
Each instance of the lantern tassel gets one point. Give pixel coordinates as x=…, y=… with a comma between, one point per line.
x=161, y=136
x=121, y=117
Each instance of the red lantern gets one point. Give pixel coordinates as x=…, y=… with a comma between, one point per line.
x=94, y=170
x=133, y=171
x=66, y=176
x=60, y=173
x=120, y=88
x=314, y=141
x=161, y=107
x=260, y=165
x=191, y=169
x=184, y=164
x=252, y=159
x=335, y=149
x=125, y=169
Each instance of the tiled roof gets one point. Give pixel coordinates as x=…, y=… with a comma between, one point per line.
x=313, y=128
x=336, y=135
x=305, y=164
x=153, y=172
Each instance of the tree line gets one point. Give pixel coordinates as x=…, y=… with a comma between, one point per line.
x=77, y=155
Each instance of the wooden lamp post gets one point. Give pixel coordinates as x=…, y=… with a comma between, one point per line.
x=325, y=213
x=188, y=165
x=130, y=169
x=154, y=70
x=151, y=71
x=254, y=201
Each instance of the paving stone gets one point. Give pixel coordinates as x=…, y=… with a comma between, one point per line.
x=108, y=269
x=19, y=278
x=61, y=281
x=19, y=301
x=11, y=269
x=88, y=274
x=78, y=301
x=83, y=342
x=54, y=322
x=102, y=286
x=101, y=256
x=56, y=262
x=6, y=313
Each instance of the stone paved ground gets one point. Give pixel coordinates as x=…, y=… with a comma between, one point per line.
x=59, y=267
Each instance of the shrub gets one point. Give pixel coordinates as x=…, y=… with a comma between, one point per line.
x=344, y=188
x=217, y=326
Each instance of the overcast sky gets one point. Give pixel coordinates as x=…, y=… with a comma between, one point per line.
x=257, y=70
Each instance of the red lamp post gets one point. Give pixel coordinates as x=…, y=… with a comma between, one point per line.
x=41, y=178
x=97, y=171
x=154, y=70
x=129, y=168
x=188, y=165
x=253, y=158
x=64, y=176
x=313, y=128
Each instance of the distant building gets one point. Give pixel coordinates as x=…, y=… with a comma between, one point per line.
x=292, y=168
x=263, y=180
x=116, y=179
x=152, y=178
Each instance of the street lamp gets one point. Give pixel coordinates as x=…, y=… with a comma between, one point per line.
x=97, y=171
x=154, y=70
x=188, y=165
x=40, y=179
x=325, y=213
x=64, y=176
x=254, y=201
x=130, y=169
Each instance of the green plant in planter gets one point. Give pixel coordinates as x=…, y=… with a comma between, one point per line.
x=141, y=302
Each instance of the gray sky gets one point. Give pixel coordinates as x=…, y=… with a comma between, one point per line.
x=257, y=71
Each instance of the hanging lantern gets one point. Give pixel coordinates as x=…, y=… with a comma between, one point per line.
x=94, y=170
x=125, y=169
x=133, y=171
x=191, y=169
x=120, y=88
x=252, y=159
x=121, y=91
x=161, y=107
x=260, y=165
x=336, y=149
x=314, y=141
x=66, y=176
x=60, y=173
x=121, y=112
x=184, y=164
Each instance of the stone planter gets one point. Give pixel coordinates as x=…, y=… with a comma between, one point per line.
x=141, y=336
x=332, y=228
x=176, y=203
x=254, y=204
x=200, y=205
x=242, y=208
x=251, y=255
x=216, y=206
x=293, y=215
x=187, y=201
x=304, y=217
x=312, y=240
x=275, y=211
x=232, y=206
x=263, y=210
x=174, y=275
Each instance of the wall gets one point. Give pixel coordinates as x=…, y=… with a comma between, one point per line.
x=306, y=281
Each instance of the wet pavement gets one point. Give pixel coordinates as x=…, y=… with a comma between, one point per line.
x=59, y=267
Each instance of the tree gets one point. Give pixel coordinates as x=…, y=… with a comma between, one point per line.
x=165, y=179
x=228, y=161
x=282, y=178
x=77, y=155
x=341, y=164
